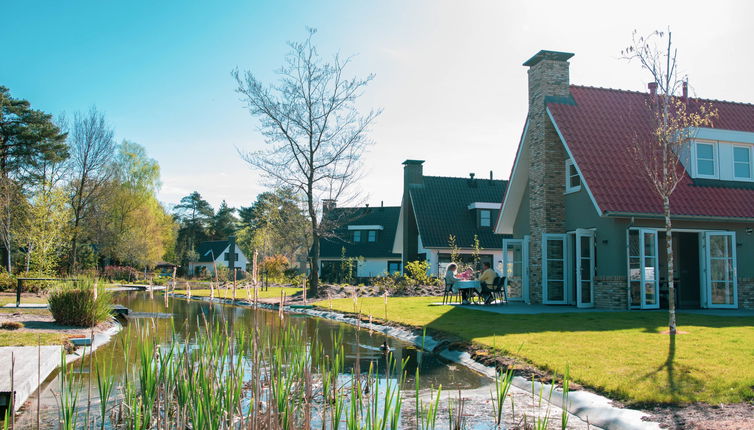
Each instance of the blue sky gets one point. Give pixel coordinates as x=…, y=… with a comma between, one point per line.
x=449, y=74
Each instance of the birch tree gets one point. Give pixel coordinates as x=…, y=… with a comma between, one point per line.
x=314, y=131
x=674, y=123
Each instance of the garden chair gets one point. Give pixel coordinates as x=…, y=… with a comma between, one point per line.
x=450, y=295
x=499, y=292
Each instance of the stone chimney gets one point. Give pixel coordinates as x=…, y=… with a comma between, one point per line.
x=328, y=205
x=548, y=82
x=652, y=88
x=413, y=176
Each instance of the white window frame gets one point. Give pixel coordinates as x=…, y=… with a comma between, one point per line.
x=545, y=276
x=568, y=188
x=715, y=158
x=355, y=238
x=733, y=154
x=371, y=236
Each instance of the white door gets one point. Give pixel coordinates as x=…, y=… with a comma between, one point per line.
x=720, y=253
x=643, y=269
x=515, y=268
x=584, y=259
x=554, y=285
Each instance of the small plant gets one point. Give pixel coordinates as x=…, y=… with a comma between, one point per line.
x=120, y=273
x=11, y=325
x=83, y=304
x=417, y=272
x=7, y=281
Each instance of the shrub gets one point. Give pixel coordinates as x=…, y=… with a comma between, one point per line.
x=74, y=303
x=11, y=325
x=417, y=272
x=274, y=265
x=7, y=281
x=120, y=273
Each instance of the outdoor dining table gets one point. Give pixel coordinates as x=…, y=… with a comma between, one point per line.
x=467, y=285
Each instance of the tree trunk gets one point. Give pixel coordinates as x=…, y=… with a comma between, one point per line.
x=314, y=269
x=670, y=275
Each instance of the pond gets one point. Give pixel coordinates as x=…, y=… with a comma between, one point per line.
x=155, y=332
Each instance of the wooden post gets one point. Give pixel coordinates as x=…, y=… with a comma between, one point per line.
x=234, y=284
x=95, y=290
x=188, y=289
x=303, y=286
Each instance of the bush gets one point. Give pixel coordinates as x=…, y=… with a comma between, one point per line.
x=417, y=272
x=120, y=273
x=7, y=281
x=274, y=265
x=11, y=325
x=74, y=303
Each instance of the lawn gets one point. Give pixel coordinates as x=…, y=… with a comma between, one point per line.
x=16, y=338
x=621, y=354
x=271, y=293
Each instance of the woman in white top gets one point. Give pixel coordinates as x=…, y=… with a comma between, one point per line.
x=451, y=278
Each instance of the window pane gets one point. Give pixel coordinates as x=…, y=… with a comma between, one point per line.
x=705, y=167
x=554, y=249
x=742, y=170
x=484, y=218
x=740, y=154
x=705, y=151
x=372, y=235
x=357, y=236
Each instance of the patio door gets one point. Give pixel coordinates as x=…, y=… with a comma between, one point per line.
x=516, y=268
x=643, y=268
x=584, y=260
x=720, y=253
x=554, y=286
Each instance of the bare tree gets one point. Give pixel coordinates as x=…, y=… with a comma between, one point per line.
x=313, y=127
x=91, y=147
x=674, y=124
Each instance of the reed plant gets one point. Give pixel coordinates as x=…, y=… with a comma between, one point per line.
x=84, y=303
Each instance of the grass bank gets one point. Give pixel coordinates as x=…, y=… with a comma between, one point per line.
x=26, y=338
x=621, y=354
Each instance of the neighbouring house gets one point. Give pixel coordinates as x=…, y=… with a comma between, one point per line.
x=587, y=227
x=362, y=234
x=434, y=208
x=215, y=253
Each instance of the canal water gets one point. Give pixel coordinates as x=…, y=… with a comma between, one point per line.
x=183, y=319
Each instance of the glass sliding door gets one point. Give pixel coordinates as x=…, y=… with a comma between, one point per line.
x=643, y=269
x=584, y=260
x=515, y=268
x=554, y=287
x=720, y=253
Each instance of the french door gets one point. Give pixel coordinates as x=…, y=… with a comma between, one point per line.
x=516, y=268
x=554, y=285
x=584, y=260
x=643, y=268
x=720, y=254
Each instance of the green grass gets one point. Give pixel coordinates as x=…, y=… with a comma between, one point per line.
x=16, y=338
x=271, y=293
x=26, y=298
x=621, y=354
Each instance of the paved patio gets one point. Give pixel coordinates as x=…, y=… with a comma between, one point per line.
x=520, y=308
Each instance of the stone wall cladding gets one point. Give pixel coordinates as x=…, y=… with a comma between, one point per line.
x=610, y=292
x=546, y=168
x=746, y=293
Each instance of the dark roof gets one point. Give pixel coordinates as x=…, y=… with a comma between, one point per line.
x=600, y=127
x=441, y=206
x=387, y=217
x=215, y=246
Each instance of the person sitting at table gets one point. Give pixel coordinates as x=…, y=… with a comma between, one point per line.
x=451, y=278
x=486, y=280
x=467, y=274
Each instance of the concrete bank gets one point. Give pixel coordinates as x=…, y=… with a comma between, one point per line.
x=597, y=410
x=33, y=365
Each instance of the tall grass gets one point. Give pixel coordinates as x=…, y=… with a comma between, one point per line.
x=84, y=303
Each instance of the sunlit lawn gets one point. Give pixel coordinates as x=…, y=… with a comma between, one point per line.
x=241, y=293
x=16, y=338
x=622, y=354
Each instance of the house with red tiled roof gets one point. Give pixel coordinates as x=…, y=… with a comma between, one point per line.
x=586, y=226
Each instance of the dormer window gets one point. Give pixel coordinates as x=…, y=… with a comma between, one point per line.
x=706, y=166
x=485, y=218
x=372, y=236
x=742, y=162
x=357, y=236
x=572, y=178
